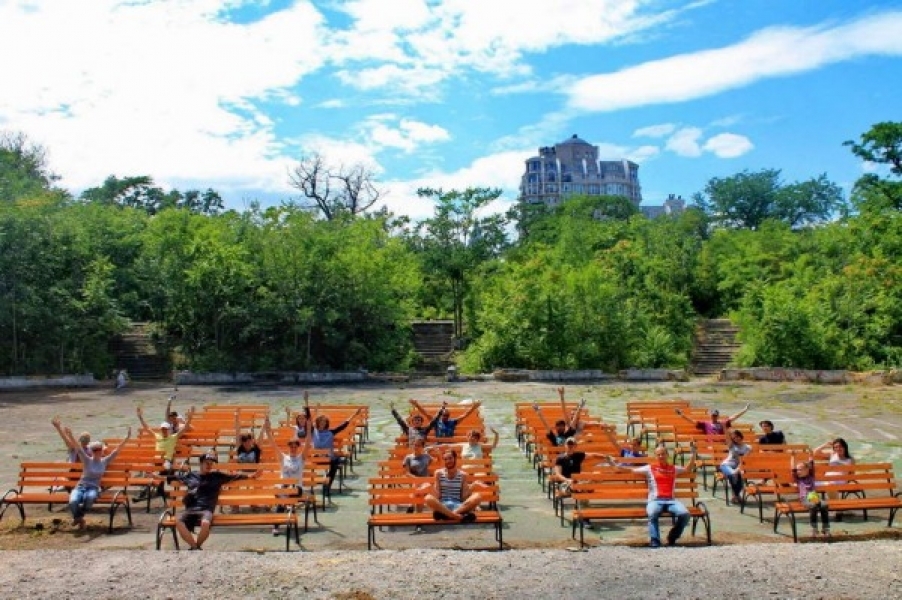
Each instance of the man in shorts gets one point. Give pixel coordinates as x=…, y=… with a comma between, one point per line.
x=204, y=487
x=450, y=497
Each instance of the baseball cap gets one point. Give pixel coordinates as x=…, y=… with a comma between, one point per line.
x=209, y=456
x=165, y=425
x=570, y=440
x=95, y=446
x=715, y=413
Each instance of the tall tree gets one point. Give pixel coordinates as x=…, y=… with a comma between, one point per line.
x=746, y=200
x=140, y=192
x=334, y=190
x=882, y=145
x=23, y=168
x=456, y=240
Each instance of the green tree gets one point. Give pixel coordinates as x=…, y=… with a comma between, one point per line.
x=881, y=145
x=746, y=200
x=454, y=242
x=23, y=169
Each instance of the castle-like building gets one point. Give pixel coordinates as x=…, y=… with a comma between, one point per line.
x=572, y=168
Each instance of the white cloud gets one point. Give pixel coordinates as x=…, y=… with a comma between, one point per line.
x=643, y=154
x=728, y=145
x=685, y=142
x=772, y=52
x=439, y=39
x=408, y=135
x=655, y=131
x=168, y=89
x=502, y=170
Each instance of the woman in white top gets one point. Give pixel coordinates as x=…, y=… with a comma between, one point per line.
x=291, y=462
x=473, y=447
x=838, y=451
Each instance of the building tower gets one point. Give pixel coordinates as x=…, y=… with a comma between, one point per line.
x=572, y=167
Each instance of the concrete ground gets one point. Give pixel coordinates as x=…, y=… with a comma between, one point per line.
x=868, y=417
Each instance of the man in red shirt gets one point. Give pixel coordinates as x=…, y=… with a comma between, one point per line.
x=661, y=477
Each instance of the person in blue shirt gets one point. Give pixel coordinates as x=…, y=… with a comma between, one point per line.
x=445, y=426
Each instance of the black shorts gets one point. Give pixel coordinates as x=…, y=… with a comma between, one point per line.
x=193, y=517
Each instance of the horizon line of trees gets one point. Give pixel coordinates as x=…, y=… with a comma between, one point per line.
x=320, y=282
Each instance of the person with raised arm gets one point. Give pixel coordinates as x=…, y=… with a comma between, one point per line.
x=661, y=477
x=324, y=439
x=714, y=426
x=445, y=426
x=415, y=429
x=291, y=463
x=736, y=449
x=176, y=421
x=93, y=465
x=165, y=446
x=562, y=429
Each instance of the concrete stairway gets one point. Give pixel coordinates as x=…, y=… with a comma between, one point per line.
x=138, y=353
x=715, y=346
x=433, y=342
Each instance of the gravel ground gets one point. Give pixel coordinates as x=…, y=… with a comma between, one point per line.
x=841, y=570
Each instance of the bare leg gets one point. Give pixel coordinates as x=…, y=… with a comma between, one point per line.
x=469, y=504
x=185, y=534
x=436, y=505
x=204, y=533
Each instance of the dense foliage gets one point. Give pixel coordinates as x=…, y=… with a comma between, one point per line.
x=813, y=282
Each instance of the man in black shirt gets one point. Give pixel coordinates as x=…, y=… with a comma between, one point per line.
x=200, y=500
x=770, y=436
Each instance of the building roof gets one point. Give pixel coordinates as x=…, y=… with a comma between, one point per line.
x=575, y=139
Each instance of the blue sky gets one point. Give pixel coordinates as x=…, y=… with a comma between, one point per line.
x=230, y=94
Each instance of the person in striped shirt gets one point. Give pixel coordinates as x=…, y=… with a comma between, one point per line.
x=450, y=496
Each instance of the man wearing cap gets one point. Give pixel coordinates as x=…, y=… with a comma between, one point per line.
x=203, y=487
x=770, y=435
x=568, y=463
x=166, y=442
x=715, y=426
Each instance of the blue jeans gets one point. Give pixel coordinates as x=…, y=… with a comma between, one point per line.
x=734, y=477
x=675, y=508
x=81, y=499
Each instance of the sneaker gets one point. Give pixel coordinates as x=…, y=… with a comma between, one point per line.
x=468, y=517
x=275, y=531
x=655, y=543
x=409, y=509
x=826, y=534
x=736, y=500
x=814, y=533
x=672, y=538
x=587, y=524
x=418, y=529
x=439, y=516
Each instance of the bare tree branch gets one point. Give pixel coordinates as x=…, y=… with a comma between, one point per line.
x=333, y=191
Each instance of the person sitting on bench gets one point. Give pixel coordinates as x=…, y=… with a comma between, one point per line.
x=200, y=500
x=450, y=497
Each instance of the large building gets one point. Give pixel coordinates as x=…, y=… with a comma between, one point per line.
x=572, y=167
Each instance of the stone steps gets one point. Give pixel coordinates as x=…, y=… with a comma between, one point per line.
x=139, y=354
x=715, y=346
